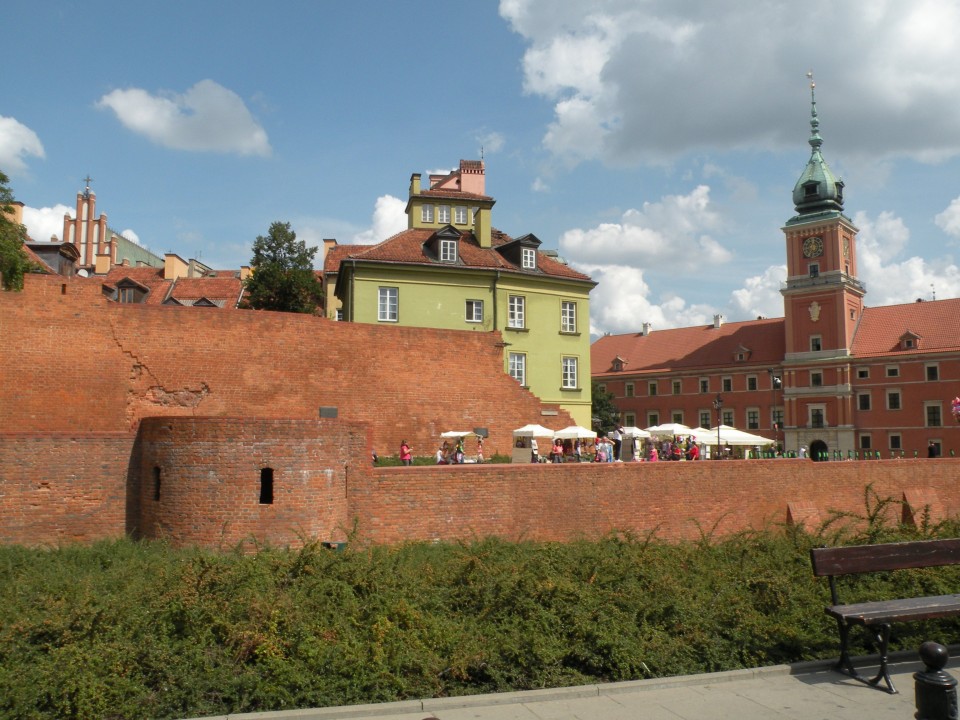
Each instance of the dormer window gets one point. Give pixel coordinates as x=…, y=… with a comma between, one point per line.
x=528, y=259
x=811, y=190
x=448, y=250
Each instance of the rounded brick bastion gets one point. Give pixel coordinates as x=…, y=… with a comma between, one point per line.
x=217, y=482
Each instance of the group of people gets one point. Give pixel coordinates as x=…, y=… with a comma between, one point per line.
x=453, y=454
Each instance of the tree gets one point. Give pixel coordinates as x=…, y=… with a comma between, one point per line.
x=13, y=260
x=606, y=416
x=283, y=277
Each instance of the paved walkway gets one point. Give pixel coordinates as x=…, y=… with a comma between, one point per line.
x=806, y=691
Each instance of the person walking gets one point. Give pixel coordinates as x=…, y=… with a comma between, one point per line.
x=406, y=454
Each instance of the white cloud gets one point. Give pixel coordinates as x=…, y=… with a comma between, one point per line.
x=647, y=82
x=389, y=218
x=16, y=142
x=207, y=118
x=131, y=236
x=760, y=296
x=949, y=219
x=490, y=142
x=43, y=223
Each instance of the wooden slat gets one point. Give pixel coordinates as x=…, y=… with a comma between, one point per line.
x=887, y=556
x=902, y=610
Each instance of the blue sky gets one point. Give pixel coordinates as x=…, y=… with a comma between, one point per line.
x=655, y=143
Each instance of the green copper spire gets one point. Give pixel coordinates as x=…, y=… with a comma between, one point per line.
x=817, y=190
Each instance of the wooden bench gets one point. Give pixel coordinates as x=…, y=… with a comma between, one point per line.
x=876, y=617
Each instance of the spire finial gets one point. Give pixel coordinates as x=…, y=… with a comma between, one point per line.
x=815, y=140
x=87, y=180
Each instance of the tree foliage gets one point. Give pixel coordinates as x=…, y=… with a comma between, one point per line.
x=283, y=277
x=606, y=416
x=13, y=260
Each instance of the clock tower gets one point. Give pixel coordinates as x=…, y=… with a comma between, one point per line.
x=823, y=299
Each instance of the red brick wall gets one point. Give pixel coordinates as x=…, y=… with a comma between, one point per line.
x=209, y=470
x=74, y=362
x=670, y=500
x=64, y=487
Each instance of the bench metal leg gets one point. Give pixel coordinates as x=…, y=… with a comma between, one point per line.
x=881, y=634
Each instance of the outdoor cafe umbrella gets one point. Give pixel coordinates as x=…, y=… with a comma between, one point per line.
x=634, y=432
x=575, y=432
x=669, y=430
x=533, y=430
x=732, y=436
x=456, y=433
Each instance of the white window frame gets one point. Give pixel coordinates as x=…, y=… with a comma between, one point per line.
x=630, y=419
x=528, y=258
x=653, y=418
x=726, y=382
x=652, y=388
x=517, y=367
x=448, y=250
x=474, y=311
x=677, y=417
x=460, y=215
x=676, y=387
x=822, y=410
x=869, y=404
x=704, y=385
x=426, y=213
x=443, y=214
x=728, y=418
x=516, y=312
x=388, y=304
x=568, y=316
x=935, y=368
x=628, y=389
x=569, y=375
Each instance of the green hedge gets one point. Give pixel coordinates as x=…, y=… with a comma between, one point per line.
x=139, y=630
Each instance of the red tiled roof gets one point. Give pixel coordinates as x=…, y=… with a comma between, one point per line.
x=331, y=263
x=149, y=277
x=223, y=291
x=702, y=346
x=454, y=194
x=407, y=247
x=935, y=323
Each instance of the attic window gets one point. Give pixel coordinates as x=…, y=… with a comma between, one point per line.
x=528, y=259
x=448, y=250
x=618, y=365
x=811, y=189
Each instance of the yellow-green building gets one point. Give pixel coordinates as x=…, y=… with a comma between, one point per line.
x=452, y=269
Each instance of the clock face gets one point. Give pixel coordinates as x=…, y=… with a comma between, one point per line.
x=812, y=247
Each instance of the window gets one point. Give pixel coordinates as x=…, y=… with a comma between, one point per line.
x=896, y=443
x=814, y=270
x=728, y=417
x=776, y=416
x=630, y=419
x=426, y=213
x=816, y=378
x=863, y=401
x=815, y=343
x=126, y=295
x=568, y=316
x=893, y=399
x=728, y=384
x=933, y=373
x=753, y=419
x=517, y=363
x=653, y=418
x=933, y=416
x=893, y=371
x=443, y=214
x=569, y=373
x=266, y=486
x=448, y=250
x=388, y=304
x=705, y=419
x=475, y=311
x=652, y=388
x=628, y=389
x=156, y=482
x=515, y=311
x=866, y=442
x=863, y=373
x=677, y=417
x=460, y=215
x=704, y=386
x=751, y=382
x=817, y=419
x=675, y=387
x=339, y=314
x=528, y=259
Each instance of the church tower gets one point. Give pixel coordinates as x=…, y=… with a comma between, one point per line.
x=823, y=299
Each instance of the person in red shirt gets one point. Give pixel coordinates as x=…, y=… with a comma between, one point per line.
x=693, y=453
x=406, y=454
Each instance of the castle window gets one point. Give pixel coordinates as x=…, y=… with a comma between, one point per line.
x=893, y=371
x=156, y=483
x=863, y=373
x=728, y=417
x=811, y=190
x=266, y=486
x=816, y=378
x=704, y=386
x=630, y=419
x=704, y=418
x=896, y=442
x=933, y=414
x=652, y=389
x=817, y=416
x=676, y=386
x=753, y=419
x=933, y=373
x=751, y=382
x=866, y=442
x=628, y=389
x=653, y=418
x=677, y=417
x=814, y=270
x=816, y=343
x=863, y=401
x=727, y=384
x=893, y=399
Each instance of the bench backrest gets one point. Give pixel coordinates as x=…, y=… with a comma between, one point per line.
x=887, y=556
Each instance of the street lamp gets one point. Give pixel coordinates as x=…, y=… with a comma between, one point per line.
x=718, y=405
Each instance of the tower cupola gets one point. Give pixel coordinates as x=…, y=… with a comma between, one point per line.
x=818, y=190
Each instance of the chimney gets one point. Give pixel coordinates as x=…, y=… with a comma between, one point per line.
x=717, y=321
x=646, y=329
x=328, y=243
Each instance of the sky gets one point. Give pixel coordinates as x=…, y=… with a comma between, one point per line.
x=654, y=143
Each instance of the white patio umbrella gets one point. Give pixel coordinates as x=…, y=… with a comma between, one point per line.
x=669, y=430
x=732, y=436
x=533, y=430
x=574, y=432
x=701, y=434
x=456, y=433
x=634, y=432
